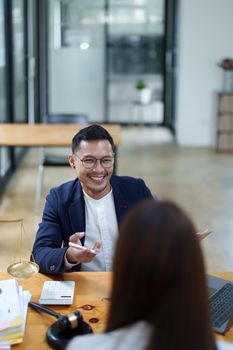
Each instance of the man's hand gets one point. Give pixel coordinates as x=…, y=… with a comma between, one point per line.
x=74, y=255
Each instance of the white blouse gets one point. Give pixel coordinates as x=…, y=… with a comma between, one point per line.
x=131, y=337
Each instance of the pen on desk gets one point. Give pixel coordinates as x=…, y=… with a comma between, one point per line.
x=205, y=232
x=81, y=247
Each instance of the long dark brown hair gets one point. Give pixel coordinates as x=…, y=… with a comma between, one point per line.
x=159, y=276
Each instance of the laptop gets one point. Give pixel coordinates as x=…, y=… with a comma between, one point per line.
x=220, y=293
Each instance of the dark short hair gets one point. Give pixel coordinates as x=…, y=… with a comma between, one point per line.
x=91, y=133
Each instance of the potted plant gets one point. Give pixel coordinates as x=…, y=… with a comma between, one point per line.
x=140, y=84
x=144, y=93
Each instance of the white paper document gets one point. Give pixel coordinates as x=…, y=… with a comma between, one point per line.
x=13, y=306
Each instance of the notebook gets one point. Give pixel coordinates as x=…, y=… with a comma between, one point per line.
x=220, y=293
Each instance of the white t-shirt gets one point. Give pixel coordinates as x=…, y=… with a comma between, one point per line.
x=101, y=224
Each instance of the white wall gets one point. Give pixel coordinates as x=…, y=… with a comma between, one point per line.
x=205, y=38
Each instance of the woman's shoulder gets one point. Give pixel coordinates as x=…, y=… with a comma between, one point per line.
x=222, y=345
x=127, y=338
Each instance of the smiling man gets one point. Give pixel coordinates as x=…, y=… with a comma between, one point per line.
x=86, y=212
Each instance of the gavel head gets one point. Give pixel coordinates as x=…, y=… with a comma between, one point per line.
x=67, y=327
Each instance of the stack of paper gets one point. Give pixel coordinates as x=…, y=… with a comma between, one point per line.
x=13, y=305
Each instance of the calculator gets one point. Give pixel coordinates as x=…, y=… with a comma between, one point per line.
x=57, y=293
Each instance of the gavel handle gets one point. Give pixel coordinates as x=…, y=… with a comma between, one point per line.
x=44, y=309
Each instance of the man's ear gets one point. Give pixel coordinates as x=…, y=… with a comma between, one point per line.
x=71, y=161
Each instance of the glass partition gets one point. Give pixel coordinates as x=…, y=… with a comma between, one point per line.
x=76, y=58
x=4, y=152
x=135, y=41
x=19, y=69
x=106, y=59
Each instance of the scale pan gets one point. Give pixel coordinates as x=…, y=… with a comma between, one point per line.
x=23, y=269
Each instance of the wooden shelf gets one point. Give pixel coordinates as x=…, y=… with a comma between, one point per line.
x=225, y=122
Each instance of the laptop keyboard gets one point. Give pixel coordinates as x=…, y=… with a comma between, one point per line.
x=221, y=305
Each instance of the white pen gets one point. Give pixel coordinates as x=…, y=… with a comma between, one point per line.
x=205, y=232
x=81, y=247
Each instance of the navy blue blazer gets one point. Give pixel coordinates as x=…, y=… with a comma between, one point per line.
x=64, y=214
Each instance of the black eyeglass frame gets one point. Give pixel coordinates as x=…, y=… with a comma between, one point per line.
x=95, y=161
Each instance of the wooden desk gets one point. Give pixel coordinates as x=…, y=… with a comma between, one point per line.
x=92, y=288
x=46, y=135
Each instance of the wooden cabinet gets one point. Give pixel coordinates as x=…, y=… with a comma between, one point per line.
x=225, y=122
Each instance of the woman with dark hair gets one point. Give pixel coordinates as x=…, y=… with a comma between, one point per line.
x=159, y=295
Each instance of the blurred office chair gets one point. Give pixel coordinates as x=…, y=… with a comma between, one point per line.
x=49, y=158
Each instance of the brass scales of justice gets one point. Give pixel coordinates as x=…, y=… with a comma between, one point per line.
x=21, y=268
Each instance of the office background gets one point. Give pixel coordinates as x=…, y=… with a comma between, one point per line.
x=87, y=57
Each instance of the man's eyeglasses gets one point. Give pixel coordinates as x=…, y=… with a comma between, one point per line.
x=90, y=162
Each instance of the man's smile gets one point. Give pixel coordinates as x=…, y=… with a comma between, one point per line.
x=97, y=178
